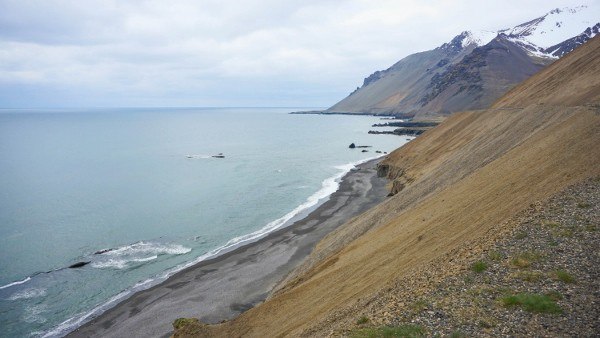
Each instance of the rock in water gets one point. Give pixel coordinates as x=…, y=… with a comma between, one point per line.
x=78, y=265
x=100, y=252
x=352, y=146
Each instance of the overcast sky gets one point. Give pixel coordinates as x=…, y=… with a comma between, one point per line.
x=303, y=53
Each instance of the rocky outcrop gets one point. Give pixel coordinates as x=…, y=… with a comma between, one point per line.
x=406, y=124
x=78, y=265
x=406, y=128
x=400, y=131
x=567, y=46
x=383, y=170
x=397, y=175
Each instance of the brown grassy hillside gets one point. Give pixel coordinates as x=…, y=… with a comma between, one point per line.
x=573, y=81
x=456, y=184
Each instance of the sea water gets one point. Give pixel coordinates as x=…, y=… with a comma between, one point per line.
x=138, y=195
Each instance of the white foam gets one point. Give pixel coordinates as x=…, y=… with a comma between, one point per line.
x=115, y=263
x=15, y=283
x=328, y=187
x=195, y=156
x=33, y=314
x=144, y=248
x=70, y=324
x=28, y=293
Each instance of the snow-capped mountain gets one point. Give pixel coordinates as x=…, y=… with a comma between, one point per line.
x=561, y=24
x=473, y=69
x=479, y=38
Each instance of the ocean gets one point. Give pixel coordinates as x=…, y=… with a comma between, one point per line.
x=137, y=195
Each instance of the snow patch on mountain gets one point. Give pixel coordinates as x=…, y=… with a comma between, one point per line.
x=555, y=27
x=479, y=38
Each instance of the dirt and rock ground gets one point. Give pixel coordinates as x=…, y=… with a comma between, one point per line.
x=538, y=275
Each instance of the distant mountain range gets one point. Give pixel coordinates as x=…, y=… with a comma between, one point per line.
x=472, y=70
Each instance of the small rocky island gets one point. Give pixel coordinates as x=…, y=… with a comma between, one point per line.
x=409, y=128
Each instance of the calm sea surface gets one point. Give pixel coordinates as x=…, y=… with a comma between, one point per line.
x=141, y=185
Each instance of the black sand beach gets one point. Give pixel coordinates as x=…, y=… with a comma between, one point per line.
x=222, y=288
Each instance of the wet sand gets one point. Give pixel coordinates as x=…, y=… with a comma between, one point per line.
x=225, y=286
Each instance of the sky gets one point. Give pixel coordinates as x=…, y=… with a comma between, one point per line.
x=221, y=53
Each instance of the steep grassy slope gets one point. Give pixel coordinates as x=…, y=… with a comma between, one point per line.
x=455, y=184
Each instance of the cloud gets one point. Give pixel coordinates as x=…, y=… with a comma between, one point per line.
x=227, y=53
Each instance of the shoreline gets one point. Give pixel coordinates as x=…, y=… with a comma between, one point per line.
x=222, y=287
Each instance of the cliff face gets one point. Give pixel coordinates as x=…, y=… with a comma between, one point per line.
x=456, y=184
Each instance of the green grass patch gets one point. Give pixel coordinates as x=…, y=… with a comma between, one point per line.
x=181, y=322
x=520, y=235
x=554, y=295
x=419, y=306
x=532, y=302
x=550, y=224
x=362, y=320
x=525, y=259
x=479, y=266
x=563, y=233
x=486, y=323
x=408, y=331
x=527, y=276
x=564, y=276
x=457, y=334
x=494, y=255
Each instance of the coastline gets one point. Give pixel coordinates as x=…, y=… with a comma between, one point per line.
x=222, y=287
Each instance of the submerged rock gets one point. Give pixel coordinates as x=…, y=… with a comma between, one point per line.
x=99, y=252
x=78, y=265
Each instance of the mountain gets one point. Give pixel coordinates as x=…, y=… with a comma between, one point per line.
x=558, y=32
x=473, y=69
x=460, y=188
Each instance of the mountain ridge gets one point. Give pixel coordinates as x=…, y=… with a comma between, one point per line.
x=447, y=79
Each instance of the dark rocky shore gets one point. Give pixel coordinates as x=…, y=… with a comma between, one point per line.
x=408, y=128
